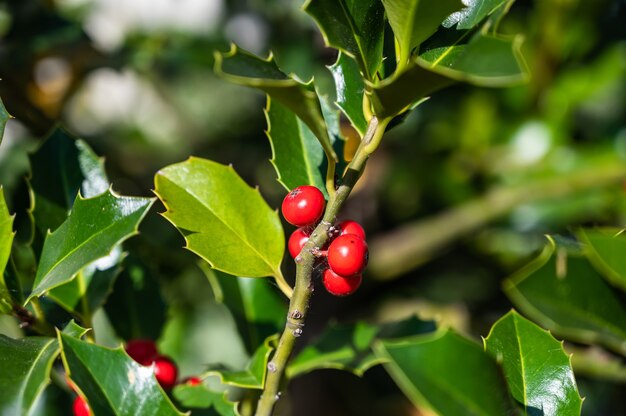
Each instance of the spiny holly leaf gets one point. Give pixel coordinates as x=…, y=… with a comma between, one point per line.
x=74, y=330
x=414, y=21
x=349, y=89
x=25, y=365
x=348, y=346
x=564, y=293
x=484, y=59
x=61, y=168
x=91, y=286
x=253, y=376
x=446, y=373
x=355, y=27
x=223, y=220
x=6, y=239
x=538, y=371
x=297, y=155
x=605, y=250
x=201, y=397
x=93, y=229
x=112, y=382
x=4, y=117
x=258, y=309
x=241, y=67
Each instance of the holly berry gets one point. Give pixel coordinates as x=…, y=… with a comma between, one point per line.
x=351, y=227
x=347, y=255
x=297, y=240
x=303, y=206
x=192, y=381
x=165, y=371
x=80, y=407
x=339, y=285
x=141, y=350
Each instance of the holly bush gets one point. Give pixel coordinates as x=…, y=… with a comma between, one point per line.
x=479, y=144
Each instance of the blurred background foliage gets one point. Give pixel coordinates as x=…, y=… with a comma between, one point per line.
x=134, y=79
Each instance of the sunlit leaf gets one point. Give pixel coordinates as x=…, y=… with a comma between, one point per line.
x=355, y=27
x=349, y=90
x=538, y=371
x=201, y=397
x=565, y=294
x=446, y=373
x=606, y=250
x=25, y=365
x=93, y=229
x=223, y=220
x=60, y=168
x=241, y=67
x=253, y=376
x=112, y=382
x=414, y=21
x=476, y=11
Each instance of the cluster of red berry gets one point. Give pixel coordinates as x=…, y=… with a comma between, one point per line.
x=347, y=252
x=145, y=352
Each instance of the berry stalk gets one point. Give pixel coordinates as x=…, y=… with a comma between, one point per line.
x=299, y=303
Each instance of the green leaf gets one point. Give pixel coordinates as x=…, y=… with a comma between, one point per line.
x=223, y=220
x=93, y=229
x=241, y=67
x=253, y=376
x=91, y=286
x=414, y=21
x=355, y=27
x=4, y=117
x=74, y=330
x=112, y=382
x=485, y=60
x=605, y=250
x=258, y=309
x=476, y=11
x=25, y=365
x=538, y=371
x=6, y=240
x=349, y=89
x=297, y=155
x=61, y=168
x=565, y=294
x=136, y=308
x=201, y=397
x=447, y=373
x=348, y=346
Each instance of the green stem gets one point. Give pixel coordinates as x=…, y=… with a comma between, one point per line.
x=40, y=324
x=282, y=284
x=303, y=290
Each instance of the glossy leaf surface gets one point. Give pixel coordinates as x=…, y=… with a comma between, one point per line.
x=25, y=365
x=565, y=294
x=223, y=220
x=241, y=67
x=348, y=347
x=476, y=11
x=297, y=155
x=606, y=250
x=447, y=373
x=349, y=89
x=112, y=382
x=253, y=376
x=6, y=239
x=414, y=21
x=201, y=397
x=538, y=371
x=93, y=229
x=256, y=305
x=354, y=27
x=60, y=168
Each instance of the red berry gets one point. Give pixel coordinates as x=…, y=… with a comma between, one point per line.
x=193, y=381
x=303, y=206
x=165, y=371
x=80, y=407
x=297, y=240
x=339, y=285
x=141, y=350
x=351, y=227
x=347, y=255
